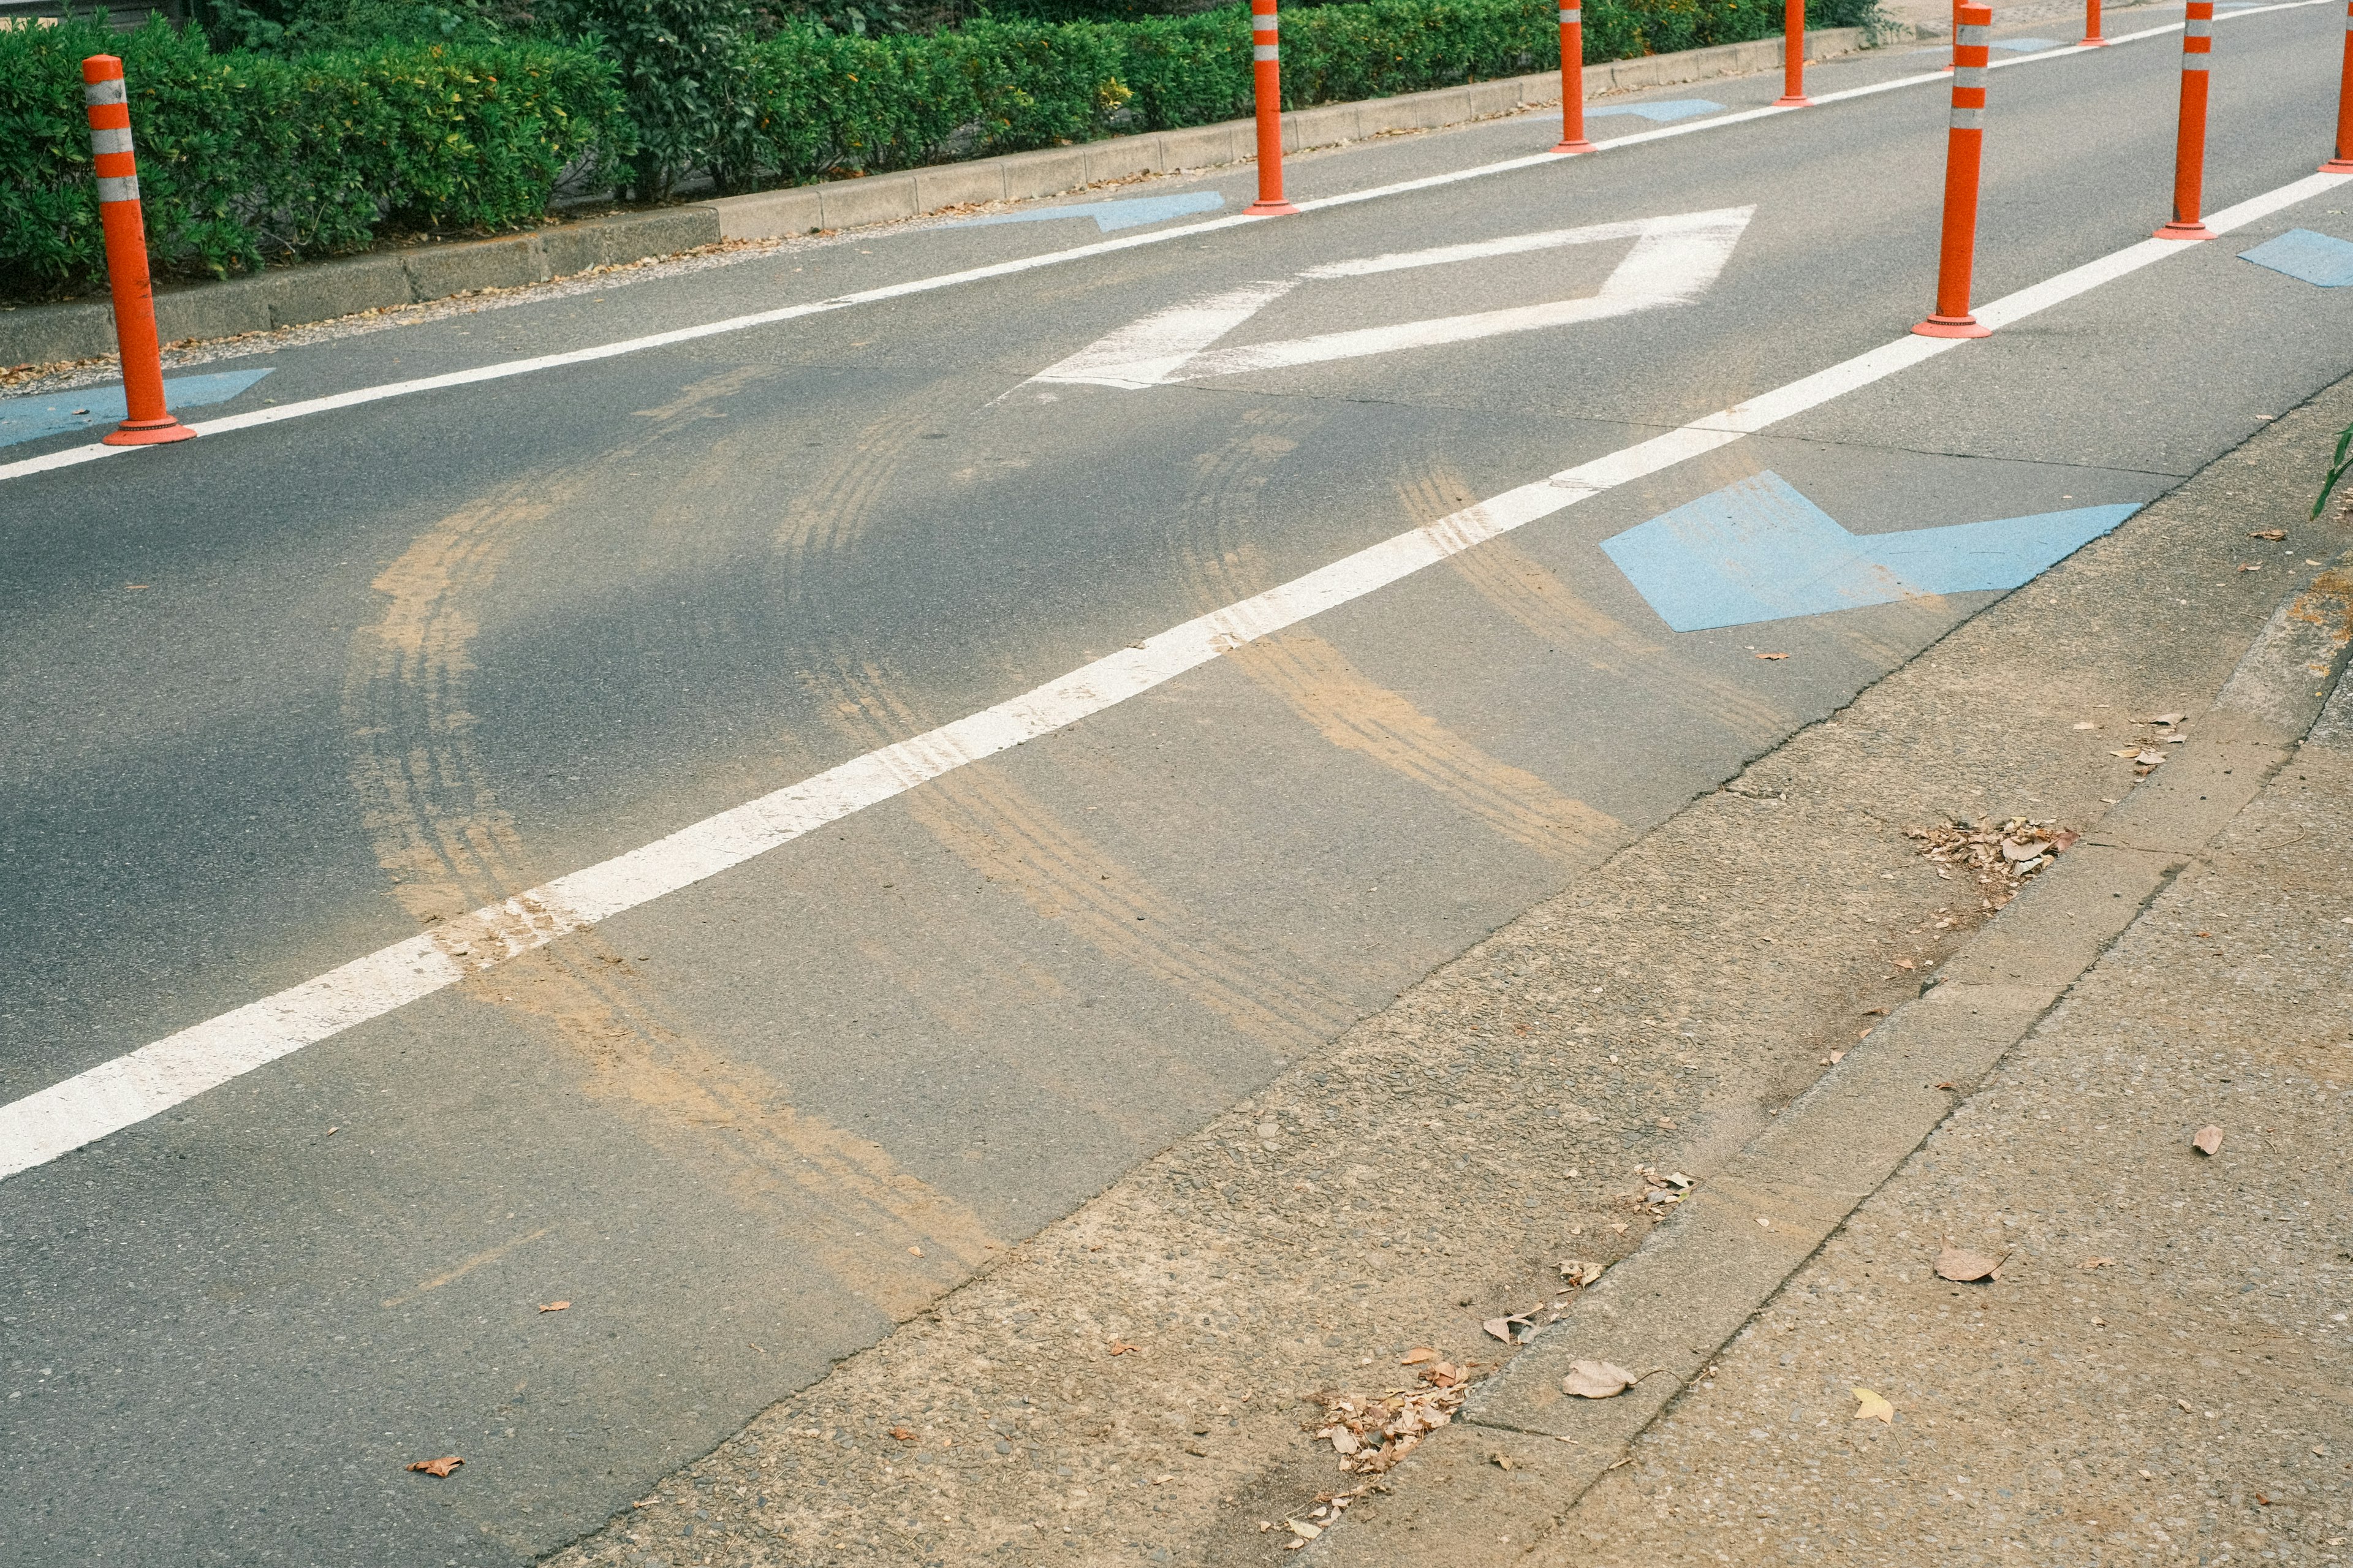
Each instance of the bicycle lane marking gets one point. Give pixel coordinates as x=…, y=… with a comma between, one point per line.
x=129, y=1089
x=73, y=456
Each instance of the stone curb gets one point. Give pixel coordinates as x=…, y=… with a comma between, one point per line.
x=1673, y=1306
x=295, y=295
x=1018, y=176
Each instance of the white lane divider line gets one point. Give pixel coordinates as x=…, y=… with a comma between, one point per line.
x=129, y=1089
x=1672, y=261
x=72, y=457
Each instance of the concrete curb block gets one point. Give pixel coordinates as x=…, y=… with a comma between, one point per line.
x=45, y=334
x=1696, y=1283
x=41, y=334
x=1019, y=176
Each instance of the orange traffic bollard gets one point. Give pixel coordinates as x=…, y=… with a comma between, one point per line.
x=2091, y=39
x=1793, y=57
x=1572, y=81
x=149, y=424
x=2189, y=137
x=1964, y=147
x=2343, y=163
x=1266, y=77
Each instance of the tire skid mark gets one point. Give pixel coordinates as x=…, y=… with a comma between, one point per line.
x=1555, y=614
x=826, y=517
x=1002, y=831
x=1355, y=712
x=1360, y=715
x=435, y=821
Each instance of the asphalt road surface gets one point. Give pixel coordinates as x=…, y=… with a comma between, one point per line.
x=289, y=695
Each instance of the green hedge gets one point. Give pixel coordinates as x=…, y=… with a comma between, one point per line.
x=824, y=104
x=246, y=158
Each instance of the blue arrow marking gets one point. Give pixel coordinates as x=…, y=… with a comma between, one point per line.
x=1662, y=112
x=2300, y=253
x=1758, y=551
x=1132, y=212
x=102, y=408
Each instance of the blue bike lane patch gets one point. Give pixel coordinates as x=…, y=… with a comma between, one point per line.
x=101, y=408
x=1758, y=551
x=2317, y=259
x=1133, y=211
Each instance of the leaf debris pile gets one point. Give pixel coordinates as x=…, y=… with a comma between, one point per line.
x=2000, y=854
x=1371, y=1435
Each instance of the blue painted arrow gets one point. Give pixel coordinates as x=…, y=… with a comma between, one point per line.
x=1758, y=551
x=1132, y=212
x=102, y=408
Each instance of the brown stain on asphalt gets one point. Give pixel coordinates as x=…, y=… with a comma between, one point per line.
x=1359, y=715
x=434, y=818
x=1351, y=710
x=1533, y=596
x=980, y=815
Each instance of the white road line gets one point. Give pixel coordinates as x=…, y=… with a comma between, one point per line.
x=129, y=1089
x=73, y=456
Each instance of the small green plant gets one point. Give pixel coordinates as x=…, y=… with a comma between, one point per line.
x=2337, y=466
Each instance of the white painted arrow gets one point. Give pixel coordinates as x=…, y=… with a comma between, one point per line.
x=1672, y=262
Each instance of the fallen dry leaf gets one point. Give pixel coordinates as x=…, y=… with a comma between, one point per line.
x=2249, y=566
x=555, y=1306
x=2209, y=1140
x=1417, y=1355
x=1121, y=1347
x=1597, y=1379
x=1963, y=1267
x=1948, y=1083
x=438, y=1466
x=903, y=1435
x=1305, y=1532
x=1577, y=1271
x=1513, y=1329
x=915, y=1252
x=2097, y=1263
x=1500, y=1459
x=1872, y=1407
x=1772, y=656
x=2273, y=534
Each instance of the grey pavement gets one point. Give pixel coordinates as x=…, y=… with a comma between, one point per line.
x=2157, y=1374
x=280, y=698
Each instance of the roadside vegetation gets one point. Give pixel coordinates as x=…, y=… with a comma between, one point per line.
x=277, y=128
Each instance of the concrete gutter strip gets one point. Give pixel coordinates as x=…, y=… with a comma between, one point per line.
x=1700, y=1280
x=296, y=296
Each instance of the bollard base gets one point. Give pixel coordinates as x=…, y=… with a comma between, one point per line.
x=1567, y=148
x=1794, y=100
x=2177, y=229
x=2338, y=166
x=1277, y=208
x=2094, y=42
x=147, y=432
x=1952, y=327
